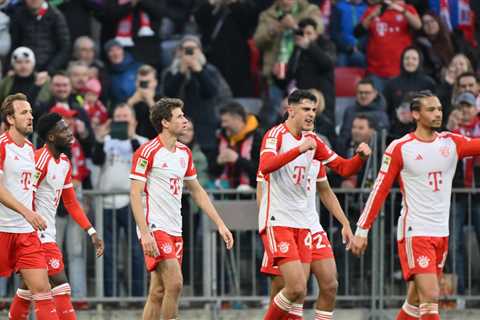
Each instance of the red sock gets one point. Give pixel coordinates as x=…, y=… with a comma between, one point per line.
x=63, y=302
x=278, y=308
x=20, y=305
x=295, y=313
x=408, y=312
x=429, y=311
x=44, y=306
x=323, y=315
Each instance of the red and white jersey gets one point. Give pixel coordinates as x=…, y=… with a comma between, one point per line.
x=17, y=166
x=425, y=171
x=284, y=200
x=316, y=174
x=164, y=172
x=51, y=177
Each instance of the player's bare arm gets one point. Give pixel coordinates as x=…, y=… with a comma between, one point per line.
x=8, y=200
x=148, y=242
x=330, y=201
x=201, y=198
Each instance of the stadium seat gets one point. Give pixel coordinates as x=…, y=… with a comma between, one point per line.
x=346, y=79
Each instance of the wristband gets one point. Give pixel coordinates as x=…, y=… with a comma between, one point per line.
x=91, y=231
x=361, y=232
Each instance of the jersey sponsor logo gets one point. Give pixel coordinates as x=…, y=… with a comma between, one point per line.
x=283, y=247
x=399, y=17
x=26, y=180
x=385, y=163
x=167, y=248
x=54, y=263
x=141, y=166
x=299, y=174
x=435, y=180
x=423, y=261
x=271, y=143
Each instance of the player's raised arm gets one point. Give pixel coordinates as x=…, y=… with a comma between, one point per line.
x=466, y=147
x=389, y=170
x=200, y=196
x=342, y=166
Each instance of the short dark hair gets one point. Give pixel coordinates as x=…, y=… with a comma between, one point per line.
x=145, y=70
x=417, y=97
x=307, y=22
x=298, y=95
x=162, y=110
x=234, y=108
x=363, y=116
x=7, y=106
x=46, y=123
x=467, y=74
x=366, y=80
x=61, y=73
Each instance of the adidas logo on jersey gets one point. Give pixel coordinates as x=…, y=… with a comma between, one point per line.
x=164, y=165
x=16, y=158
x=419, y=157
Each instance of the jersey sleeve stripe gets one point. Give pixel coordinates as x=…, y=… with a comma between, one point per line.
x=42, y=160
x=369, y=203
x=333, y=157
x=268, y=150
x=137, y=177
x=149, y=148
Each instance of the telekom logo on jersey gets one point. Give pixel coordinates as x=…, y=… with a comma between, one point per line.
x=434, y=179
x=26, y=180
x=299, y=174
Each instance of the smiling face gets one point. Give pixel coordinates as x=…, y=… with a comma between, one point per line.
x=61, y=136
x=411, y=60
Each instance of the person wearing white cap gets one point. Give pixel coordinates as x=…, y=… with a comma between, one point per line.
x=24, y=78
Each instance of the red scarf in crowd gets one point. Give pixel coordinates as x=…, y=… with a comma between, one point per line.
x=125, y=26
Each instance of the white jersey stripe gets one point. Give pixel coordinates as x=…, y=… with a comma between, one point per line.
x=149, y=146
x=42, y=160
x=409, y=249
x=369, y=203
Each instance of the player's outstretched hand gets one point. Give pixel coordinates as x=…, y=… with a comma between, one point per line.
x=98, y=244
x=347, y=236
x=149, y=245
x=359, y=245
x=364, y=150
x=308, y=144
x=227, y=236
x=36, y=220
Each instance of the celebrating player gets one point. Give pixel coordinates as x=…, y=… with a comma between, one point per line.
x=285, y=160
x=52, y=182
x=323, y=261
x=424, y=164
x=21, y=248
x=160, y=167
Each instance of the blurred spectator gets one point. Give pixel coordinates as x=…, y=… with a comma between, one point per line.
x=388, y=26
x=96, y=111
x=43, y=29
x=345, y=16
x=459, y=64
x=84, y=50
x=115, y=144
x=468, y=82
x=199, y=159
x=368, y=102
x=78, y=73
x=274, y=37
x=24, y=79
x=200, y=85
x=75, y=244
x=436, y=45
x=226, y=26
x=363, y=130
x=465, y=120
x=135, y=24
x=312, y=63
x=61, y=91
x=238, y=151
x=403, y=122
x=143, y=99
x=324, y=126
x=122, y=69
x=411, y=78
x=5, y=39
x=78, y=15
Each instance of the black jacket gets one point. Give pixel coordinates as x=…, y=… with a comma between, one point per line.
x=314, y=67
x=48, y=37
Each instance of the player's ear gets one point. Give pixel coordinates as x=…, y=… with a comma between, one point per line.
x=165, y=123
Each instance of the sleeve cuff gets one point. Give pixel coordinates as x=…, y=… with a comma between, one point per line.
x=361, y=232
x=137, y=177
x=333, y=157
x=190, y=177
x=68, y=186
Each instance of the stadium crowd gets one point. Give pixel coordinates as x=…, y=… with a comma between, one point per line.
x=101, y=64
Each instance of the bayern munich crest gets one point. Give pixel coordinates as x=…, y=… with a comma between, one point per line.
x=423, y=261
x=167, y=248
x=283, y=246
x=54, y=263
x=445, y=151
x=183, y=163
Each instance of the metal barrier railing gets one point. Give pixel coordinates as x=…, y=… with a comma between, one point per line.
x=214, y=276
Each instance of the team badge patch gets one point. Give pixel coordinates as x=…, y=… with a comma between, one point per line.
x=271, y=143
x=167, y=248
x=445, y=151
x=54, y=263
x=283, y=247
x=385, y=163
x=141, y=166
x=423, y=261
